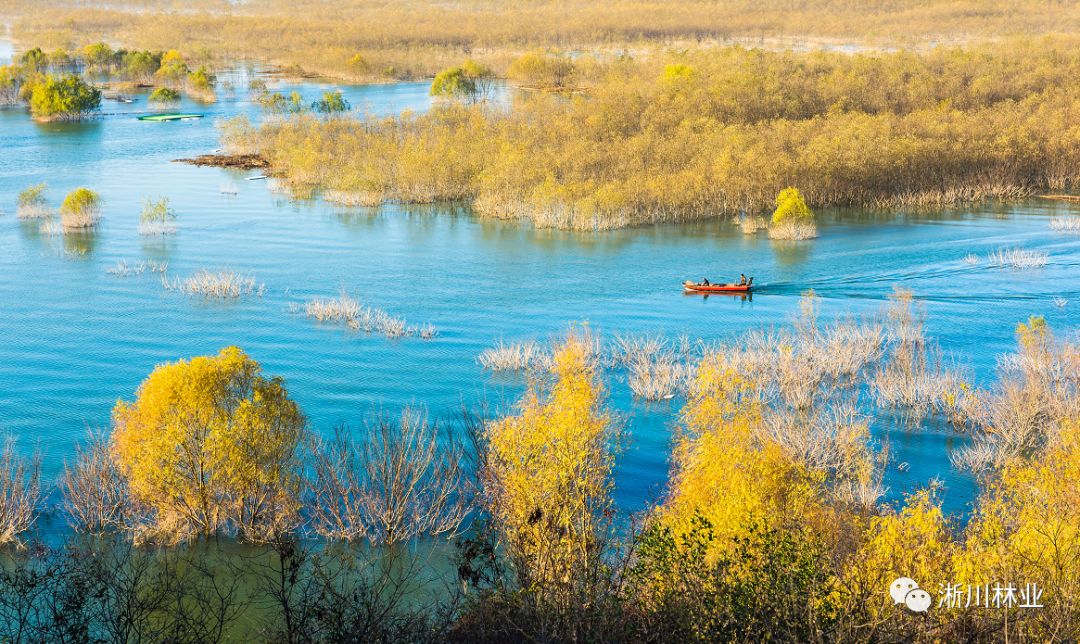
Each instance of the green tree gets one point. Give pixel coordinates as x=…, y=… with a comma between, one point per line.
x=80, y=209
x=10, y=84
x=542, y=70
x=34, y=60
x=140, y=65
x=453, y=82
x=164, y=95
x=64, y=98
x=330, y=103
x=98, y=57
x=201, y=80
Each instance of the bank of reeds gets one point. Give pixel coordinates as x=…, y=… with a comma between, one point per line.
x=373, y=41
x=215, y=284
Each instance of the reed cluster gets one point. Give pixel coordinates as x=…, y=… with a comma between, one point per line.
x=516, y=356
x=344, y=309
x=1065, y=224
x=215, y=284
x=793, y=231
x=123, y=269
x=1019, y=258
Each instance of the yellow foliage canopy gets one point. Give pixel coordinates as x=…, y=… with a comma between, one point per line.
x=791, y=207
x=550, y=471
x=726, y=476
x=211, y=446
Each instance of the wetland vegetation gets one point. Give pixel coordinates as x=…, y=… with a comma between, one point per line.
x=227, y=497
x=772, y=516
x=712, y=133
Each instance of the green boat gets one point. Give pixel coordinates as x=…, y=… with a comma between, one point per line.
x=169, y=117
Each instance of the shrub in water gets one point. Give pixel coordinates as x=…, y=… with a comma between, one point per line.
x=80, y=210
x=157, y=217
x=32, y=202
x=164, y=95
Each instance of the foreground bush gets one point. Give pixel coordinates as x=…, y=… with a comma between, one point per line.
x=212, y=447
x=548, y=477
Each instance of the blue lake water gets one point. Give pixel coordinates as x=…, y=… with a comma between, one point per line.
x=75, y=339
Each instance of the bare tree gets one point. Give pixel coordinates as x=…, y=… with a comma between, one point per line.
x=401, y=480
x=96, y=495
x=20, y=491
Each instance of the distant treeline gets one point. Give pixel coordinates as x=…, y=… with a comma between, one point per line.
x=416, y=38
x=712, y=132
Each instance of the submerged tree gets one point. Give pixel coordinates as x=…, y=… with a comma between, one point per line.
x=212, y=446
x=549, y=477
x=63, y=98
x=331, y=103
x=80, y=209
x=792, y=218
x=468, y=80
x=164, y=96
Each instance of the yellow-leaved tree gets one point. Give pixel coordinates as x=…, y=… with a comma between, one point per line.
x=1026, y=534
x=792, y=218
x=549, y=475
x=211, y=446
x=725, y=474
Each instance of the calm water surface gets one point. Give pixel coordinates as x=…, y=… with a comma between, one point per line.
x=74, y=339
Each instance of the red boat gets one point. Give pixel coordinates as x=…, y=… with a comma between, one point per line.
x=694, y=287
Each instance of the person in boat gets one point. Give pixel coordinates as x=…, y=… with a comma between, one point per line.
x=704, y=281
x=742, y=279
x=749, y=282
